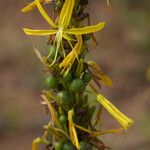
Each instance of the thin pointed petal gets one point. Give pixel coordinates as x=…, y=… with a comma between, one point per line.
x=119, y=116
x=35, y=143
x=44, y=14
x=87, y=29
x=66, y=13
x=72, y=130
x=39, y=32
x=70, y=58
x=31, y=6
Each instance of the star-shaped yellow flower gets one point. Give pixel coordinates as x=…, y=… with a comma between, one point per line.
x=61, y=29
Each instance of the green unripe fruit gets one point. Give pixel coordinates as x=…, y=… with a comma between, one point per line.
x=68, y=77
x=58, y=146
x=64, y=96
x=62, y=119
x=78, y=85
x=51, y=82
x=87, y=77
x=68, y=146
x=85, y=146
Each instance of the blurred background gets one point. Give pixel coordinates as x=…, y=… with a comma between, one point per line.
x=123, y=53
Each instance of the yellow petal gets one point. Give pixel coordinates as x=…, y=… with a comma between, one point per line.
x=39, y=32
x=68, y=38
x=68, y=61
x=87, y=29
x=35, y=143
x=119, y=116
x=99, y=73
x=31, y=6
x=66, y=13
x=44, y=14
x=72, y=130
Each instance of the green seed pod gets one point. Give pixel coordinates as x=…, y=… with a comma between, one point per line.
x=64, y=96
x=78, y=85
x=68, y=77
x=87, y=77
x=85, y=146
x=58, y=146
x=63, y=119
x=69, y=146
x=51, y=82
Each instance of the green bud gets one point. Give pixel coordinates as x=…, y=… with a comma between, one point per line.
x=51, y=82
x=63, y=119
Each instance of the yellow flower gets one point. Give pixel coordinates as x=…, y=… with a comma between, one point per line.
x=120, y=117
x=61, y=29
